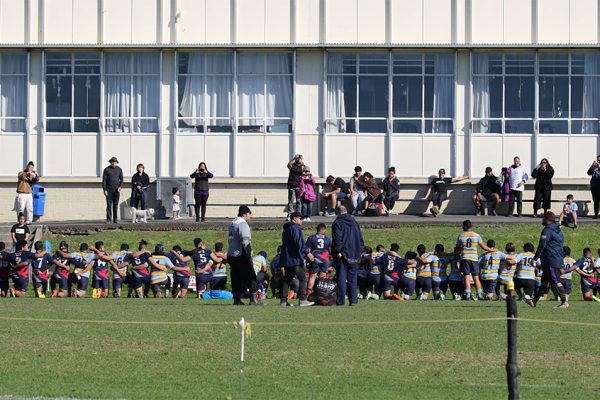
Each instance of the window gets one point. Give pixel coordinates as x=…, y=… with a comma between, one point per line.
x=503, y=93
x=72, y=92
x=423, y=93
x=205, y=82
x=265, y=92
x=131, y=91
x=569, y=93
x=13, y=92
x=422, y=87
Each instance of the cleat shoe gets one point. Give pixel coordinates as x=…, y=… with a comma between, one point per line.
x=442, y=297
x=563, y=305
x=54, y=294
x=396, y=296
x=306, y=303
x=291, y=295
x=529, y=302
x=374, y=296
x=285, y=304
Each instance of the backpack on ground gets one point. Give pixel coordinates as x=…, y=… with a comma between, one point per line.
x=374, y=210
x=324, y=292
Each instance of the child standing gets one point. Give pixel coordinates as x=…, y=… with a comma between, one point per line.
x=307, y=193
x=176, y=203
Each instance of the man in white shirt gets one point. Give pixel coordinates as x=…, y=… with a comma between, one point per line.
x=518, y=177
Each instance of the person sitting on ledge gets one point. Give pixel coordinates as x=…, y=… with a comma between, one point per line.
x=438, y=190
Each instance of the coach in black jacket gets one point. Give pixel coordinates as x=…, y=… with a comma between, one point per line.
x=291, y=260
x=347, y=246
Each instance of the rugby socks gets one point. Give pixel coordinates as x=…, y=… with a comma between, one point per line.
x=479, y=294
x=467, y=295
x=561, y=294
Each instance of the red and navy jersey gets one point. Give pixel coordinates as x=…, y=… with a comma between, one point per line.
x=100, y=266
x=319, y=245
x=21, y=257
x=201, y=257
x=67, y=262
x=4, y=265
x=40, y=265
x=177, y=263
x=139, y=261
x=586, y=265
x=391, y=265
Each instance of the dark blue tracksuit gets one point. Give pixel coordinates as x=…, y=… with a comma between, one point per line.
x=550, y=251
x=293, y=252
x=348, y=244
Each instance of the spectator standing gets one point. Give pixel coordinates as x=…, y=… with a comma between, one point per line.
x=517, y=179
x=139, y=184
x=357, y=193
x=438, y=189
x=391, y=190
x=176, y=203
x=24, y=201
x=307, y=193
x=542, y=174
x=112, y=182
x=347, y=247
x=594, y=172
x=488, y=191
x=201, y=176
x=19, y=231
x=295, y=167
x=239, y=256
x=339, y=192
x=291, y=260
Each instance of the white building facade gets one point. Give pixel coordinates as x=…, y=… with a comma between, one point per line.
x=245, y=84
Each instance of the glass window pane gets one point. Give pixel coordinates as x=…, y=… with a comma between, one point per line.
x=407, y=126
x=117, y=96
x=58, y=63
x=279, y=96
x=577, y=87
x=146, y=63
x=218, y=96
x=349, y=96
x=251, y=62
x=373, y=96
x=372, y=126
x=146, y=97
x=87, y=96
x=439, y=126
x=519, y=96
x=219, y=63
x=487, y=126
x=587, y=127
x=520, y=64
x=406, y=63
x=12, y=125
x=373, y=63
x=219, y=125
x=487, y=63
x=13, y=98
x=13, y=63
x=585, y=63
x=439, y=96
x=556, y=126
x=183, y=60
x=279, y=126
x=407, y=96
x=517, y=126
x=251, y=97
x=87, y=63
x=554, y=97
x=554, y=64
x=58, y=125
x=279, y=63
x=86, y=125
x=145, y=125
x=191, y=97
x=495, y=98
x=117, y=63
x=340, y=126
x=58, y=96
x=117, y=125
x=439, y=64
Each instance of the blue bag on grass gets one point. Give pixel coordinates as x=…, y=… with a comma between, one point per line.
x=217, y=294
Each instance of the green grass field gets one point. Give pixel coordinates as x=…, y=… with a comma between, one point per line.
x=186, y=348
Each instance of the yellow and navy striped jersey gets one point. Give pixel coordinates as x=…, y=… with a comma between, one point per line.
x=118, y=258
x=506, y=273
x=410, y=270
x=489, y=264
x=455, y=274
x=439, y=270
x=157, y=275
x=424, y=270
x=526, y=267
x=468, y=242
x=568, y=263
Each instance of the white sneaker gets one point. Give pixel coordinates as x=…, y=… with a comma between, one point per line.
x=442, y=297
x=306, y=303
x=457, y=297
x=375, y=296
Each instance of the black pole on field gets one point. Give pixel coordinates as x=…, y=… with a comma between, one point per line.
x=512, y=367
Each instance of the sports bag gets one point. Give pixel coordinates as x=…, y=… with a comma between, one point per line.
x=324, y=292
x=307, y=191
x=217, y=294
x=374, y=210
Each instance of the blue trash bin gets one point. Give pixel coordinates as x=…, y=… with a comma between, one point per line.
x=39, y=200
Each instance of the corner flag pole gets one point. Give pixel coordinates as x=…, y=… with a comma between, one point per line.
x=512, y=367
x=242, y=324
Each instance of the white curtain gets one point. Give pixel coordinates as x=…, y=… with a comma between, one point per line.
x=131, y=91
x=443, y=92
x=336, y=109
x=218, y=88
x=251, y=88
x=117, y=92
x=481, y=93
x=13, y=99
x=279, y=88
x=191, y=108
x=591, y=93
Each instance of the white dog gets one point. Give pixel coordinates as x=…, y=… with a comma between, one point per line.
x=141, y=215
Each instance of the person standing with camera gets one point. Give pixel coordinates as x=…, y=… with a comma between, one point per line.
x=139, y=184
x=201, y=176
x=594, y=172
x=542, y=174
x=296, y=167
x=24, y=201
